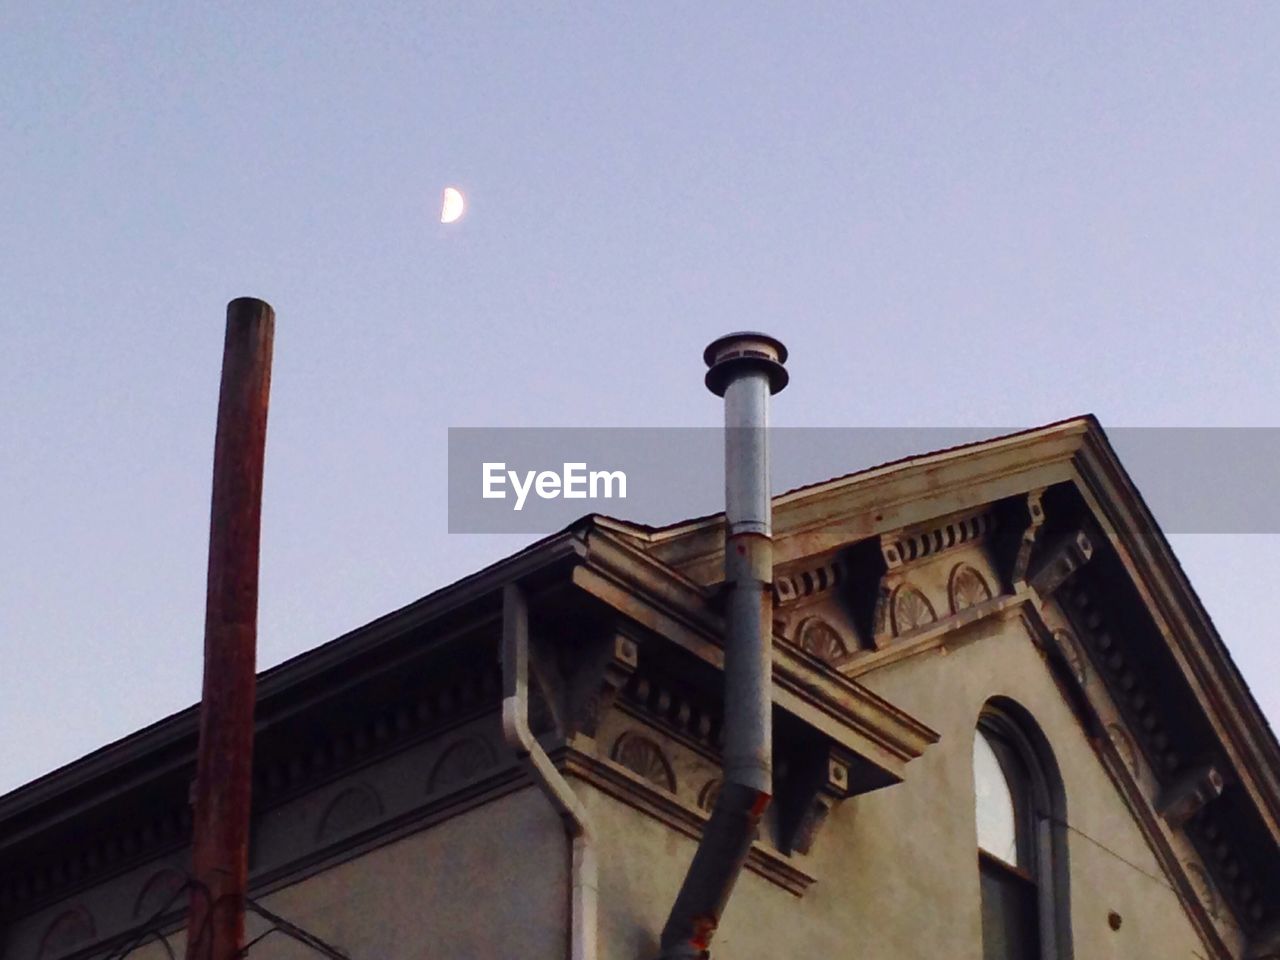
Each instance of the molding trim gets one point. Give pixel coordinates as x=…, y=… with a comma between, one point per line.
x=1111, y=739
x=640, y=794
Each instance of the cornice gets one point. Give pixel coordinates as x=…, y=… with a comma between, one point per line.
x=157, y=822
x=628, y=787
x=169, y=742
x=822, y=517
x=683, y=612
x=1078, y=669
x=1181, y=619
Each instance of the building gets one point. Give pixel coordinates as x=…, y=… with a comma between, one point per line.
x=1000, y=714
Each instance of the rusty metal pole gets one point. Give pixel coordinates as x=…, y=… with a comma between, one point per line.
x=224, y=766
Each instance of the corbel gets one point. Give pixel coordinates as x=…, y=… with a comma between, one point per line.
x=891, y=564
x=865, y=590
x=546, y=699
x=799, y=586
x=1021, y=522
x=818, y=778
x=1064, y=558
x=598, y=674
x=1189, y=794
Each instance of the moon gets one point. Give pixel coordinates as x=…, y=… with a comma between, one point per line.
x=453, y=206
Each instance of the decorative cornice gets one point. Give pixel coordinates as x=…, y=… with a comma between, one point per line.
x=1133, y=777
x=903, y=548
x=641, y=794
x=643, y=757
x=824, y=517
x=1184, y=791
x=467, y=771
x=167, y=747
x=1182, y=620
x=693, y=720
x=810, y=580
x=947, y=632
x=282, y=771
x=682, y=613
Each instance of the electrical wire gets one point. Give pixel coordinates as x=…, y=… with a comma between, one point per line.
x=153, y=928
x=1224, y=916
x=288, y=928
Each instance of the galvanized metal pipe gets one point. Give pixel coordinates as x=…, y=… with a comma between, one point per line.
x=583, y=870
x=748, y=573
x=224, y=765
x=745, y=369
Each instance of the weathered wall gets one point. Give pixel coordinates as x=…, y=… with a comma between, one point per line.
x=491, y=882
x=897, y=869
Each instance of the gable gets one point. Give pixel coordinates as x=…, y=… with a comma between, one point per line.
x=1025, y=567
x=1045, y=529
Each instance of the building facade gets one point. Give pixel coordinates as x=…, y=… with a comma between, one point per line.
x=1003, y=727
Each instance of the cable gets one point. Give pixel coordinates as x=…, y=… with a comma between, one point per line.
x=290, y=929
x=151, y=929
x=1103, y=847
x=1226, y=916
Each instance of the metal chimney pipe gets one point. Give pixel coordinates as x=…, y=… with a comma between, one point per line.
x=745, y=369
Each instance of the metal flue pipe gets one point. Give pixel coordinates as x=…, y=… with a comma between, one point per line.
x=745, y=369
x=224, y=764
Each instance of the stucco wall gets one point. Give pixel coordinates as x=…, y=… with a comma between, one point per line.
x=491, y=882
x=896, y=870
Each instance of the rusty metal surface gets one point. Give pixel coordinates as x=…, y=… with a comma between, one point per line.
x=221, y=793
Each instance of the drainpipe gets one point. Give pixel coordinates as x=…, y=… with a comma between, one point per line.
x=515, y=727
x=745, y=369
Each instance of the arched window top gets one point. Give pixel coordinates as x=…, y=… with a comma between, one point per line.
x=1019, y=812
x=994, y=802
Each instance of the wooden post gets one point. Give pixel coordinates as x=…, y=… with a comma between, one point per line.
x=224, y=766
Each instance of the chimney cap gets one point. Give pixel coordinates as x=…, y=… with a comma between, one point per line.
x=729, y=355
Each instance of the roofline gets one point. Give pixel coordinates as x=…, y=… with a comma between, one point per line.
x=1081, y=425
x=280, y=679
x=1098, y=463
x=1094, y=460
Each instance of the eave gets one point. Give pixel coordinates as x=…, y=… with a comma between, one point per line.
x=1206, y=664
x=672, y=605
x=282, y=690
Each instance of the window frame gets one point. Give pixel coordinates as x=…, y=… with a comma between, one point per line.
x=1040, y=812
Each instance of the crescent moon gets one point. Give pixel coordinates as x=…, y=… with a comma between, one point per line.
x=454, y=205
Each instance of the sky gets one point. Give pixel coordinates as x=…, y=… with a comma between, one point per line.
x=981, y=214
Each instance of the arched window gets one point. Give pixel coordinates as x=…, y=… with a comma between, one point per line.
x=1020, y=812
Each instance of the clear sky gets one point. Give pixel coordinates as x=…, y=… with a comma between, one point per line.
x=954, y=214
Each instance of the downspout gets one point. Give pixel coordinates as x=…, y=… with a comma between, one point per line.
x=745, y=369
x=515, y=727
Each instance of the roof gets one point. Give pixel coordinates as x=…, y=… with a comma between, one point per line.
x=1085, y=433
x=678, y=565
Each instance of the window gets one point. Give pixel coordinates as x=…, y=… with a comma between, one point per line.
x=1020, y=818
